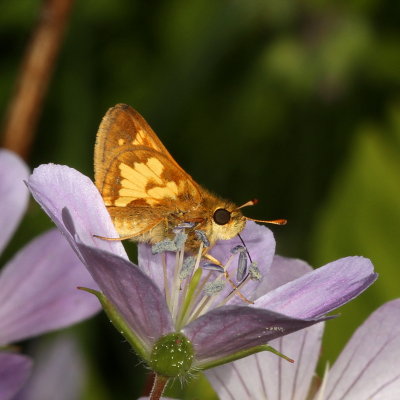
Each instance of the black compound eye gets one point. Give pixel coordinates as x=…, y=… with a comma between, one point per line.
x=221, y=216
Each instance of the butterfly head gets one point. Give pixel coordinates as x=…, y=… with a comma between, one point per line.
x=227, y=222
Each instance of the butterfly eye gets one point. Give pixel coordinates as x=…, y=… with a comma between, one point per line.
x=221, y=216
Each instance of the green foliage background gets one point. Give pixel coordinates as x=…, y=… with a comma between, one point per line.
x=293, y=102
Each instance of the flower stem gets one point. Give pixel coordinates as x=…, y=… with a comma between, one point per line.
x=158, y=387
x=36, y=69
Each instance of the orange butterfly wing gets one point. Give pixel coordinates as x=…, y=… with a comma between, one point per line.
x=134, y=170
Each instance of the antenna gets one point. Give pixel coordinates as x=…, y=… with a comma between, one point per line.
x=253, y=202
x=274, y=221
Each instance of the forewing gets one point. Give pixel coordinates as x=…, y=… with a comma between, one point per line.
x=133, y=168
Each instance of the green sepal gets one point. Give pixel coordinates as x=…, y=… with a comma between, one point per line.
x=120, y=324
x=241, y=354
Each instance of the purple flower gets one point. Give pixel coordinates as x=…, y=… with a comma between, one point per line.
x=38, y=285
x=368, y=368
x=59, y=371
x=170, y=305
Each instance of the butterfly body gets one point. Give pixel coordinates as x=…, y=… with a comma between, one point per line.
x=145, y=190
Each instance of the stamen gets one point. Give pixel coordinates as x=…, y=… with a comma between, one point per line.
x=211, y=288
x=242, y=267
x=166, y=287
x=190, y=286
x=175, y=287
x=238, y=249
x=236, y=292
x=202, y=237
x=182, y=226
x=187, y=267
x=180, y=240
x=254, y=272
x=164, y=245
x=213, y=267
x=203, y=305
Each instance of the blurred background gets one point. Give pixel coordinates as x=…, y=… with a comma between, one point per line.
x=294, y=103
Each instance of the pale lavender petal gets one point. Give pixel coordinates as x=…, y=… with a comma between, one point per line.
x=56, y=188
x=267, y=376
x=134, y=295
x=369, y=366
x=59, y=372
x=152, y=265
x=230, y=329
x=283, y=270
x=38, y=289
x=14, y=371
x=13, y=194
x=260, y=244
x=322, y=290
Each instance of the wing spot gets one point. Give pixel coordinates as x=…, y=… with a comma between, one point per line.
x=134, y=175
x=155, y=165
x=121, y=142
x=136, y=181
x=139, y=138
x=171, y=185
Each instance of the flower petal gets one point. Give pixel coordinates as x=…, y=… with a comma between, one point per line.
x=13, y=194
x=266, y=376
x=38, y=289
x=282, y=271
x=152, y=265
x=134, y=295
x=230, y=329
x=369, y=366
x=322, y=290
x=14, y=371
x=57, y=187
x=59, y=368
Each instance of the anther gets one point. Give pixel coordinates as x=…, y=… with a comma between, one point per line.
x=242, y=267
x=202, y=236
x=213, y=267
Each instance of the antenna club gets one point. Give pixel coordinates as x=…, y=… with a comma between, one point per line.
x=274, y=222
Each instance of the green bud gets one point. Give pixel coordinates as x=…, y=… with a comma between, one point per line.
x=172, y=355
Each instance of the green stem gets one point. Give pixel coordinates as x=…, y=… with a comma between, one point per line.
x=159, y=384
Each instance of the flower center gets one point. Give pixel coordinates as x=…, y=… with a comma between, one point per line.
x=197, y=286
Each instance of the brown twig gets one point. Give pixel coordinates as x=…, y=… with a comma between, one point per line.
x=36, y=70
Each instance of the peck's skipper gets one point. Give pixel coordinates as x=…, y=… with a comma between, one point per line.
x=148, y=194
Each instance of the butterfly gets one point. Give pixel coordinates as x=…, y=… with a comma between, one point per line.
x=148, y=194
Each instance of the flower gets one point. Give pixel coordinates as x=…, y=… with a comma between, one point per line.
x=161, y=308
x=60, y=368
x=38, y=286
x=368, y=367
